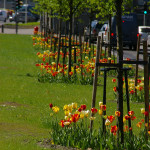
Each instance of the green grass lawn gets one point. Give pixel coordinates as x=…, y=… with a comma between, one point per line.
x=25, y=24
x=24, y=102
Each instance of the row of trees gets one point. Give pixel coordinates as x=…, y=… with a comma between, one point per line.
x=64, y=10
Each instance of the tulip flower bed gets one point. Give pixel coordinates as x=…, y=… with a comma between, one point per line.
x=83, y=66
x=74, y=129
x=136, y=93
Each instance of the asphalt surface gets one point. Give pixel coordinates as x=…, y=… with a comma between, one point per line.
x=13, y=31
x=20, y=31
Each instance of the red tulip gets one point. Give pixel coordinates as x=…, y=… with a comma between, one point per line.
x=50, y=105
x=94, y=110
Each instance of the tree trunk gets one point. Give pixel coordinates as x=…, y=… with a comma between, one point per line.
x=70, y=34
x=51, y=21
x=118, y=4
x=90, y=28
x=41, y=22
x=110, y=39
x=59, y=42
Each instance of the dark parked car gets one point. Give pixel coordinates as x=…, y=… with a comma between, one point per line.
x=30, y=17
x=30, y=9
x=129, y=31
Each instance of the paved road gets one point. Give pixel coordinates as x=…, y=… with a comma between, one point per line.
x=20, y=31
x=13, y=31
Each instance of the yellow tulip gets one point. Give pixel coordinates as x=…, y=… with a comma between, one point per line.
x=124, y=120
x=100, y=103
x=65, y=107
x=82, y=115
x=92, y=118
x=107, y=122
x=55, y=109
x=66, y=123
x=66, y=117
x=131, y=88
x=142, y=110
x=70, y=106
x=74, y=105
x=66, y=113
x=86, y=57
x=53, y=63
x=101, y=73
x=100, y=112
x=87, y=113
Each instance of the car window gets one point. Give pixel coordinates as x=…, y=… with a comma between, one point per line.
x=1, y=13
x=93, y=23
x=103, y=28
x=146, y=30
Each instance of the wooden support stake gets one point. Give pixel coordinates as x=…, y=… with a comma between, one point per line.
x=81, y=52
x=146, y=88
x=104, y=100
x=137, y=59
x=64, y=51
x=51, y=41
x=2, y=26
x=59, y=44
x=101, y=45
x=83, y=41
x=95, y=79
x=127, y=98
x=75, y=61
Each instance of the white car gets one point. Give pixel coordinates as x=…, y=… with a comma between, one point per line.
x=3, y=15
x=144, y=31
x=103, y=31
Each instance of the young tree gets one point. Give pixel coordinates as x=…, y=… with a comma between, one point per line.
x=68, y=9
x=64, y=10
x=108, y=8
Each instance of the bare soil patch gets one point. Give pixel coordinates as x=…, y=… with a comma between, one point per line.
x=14, y=104
x=47, y=143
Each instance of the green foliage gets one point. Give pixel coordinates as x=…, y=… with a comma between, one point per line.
x=60, y=8
x=25, y=24
x=107, y=7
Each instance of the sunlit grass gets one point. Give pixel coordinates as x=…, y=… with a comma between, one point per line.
x=25, y=24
